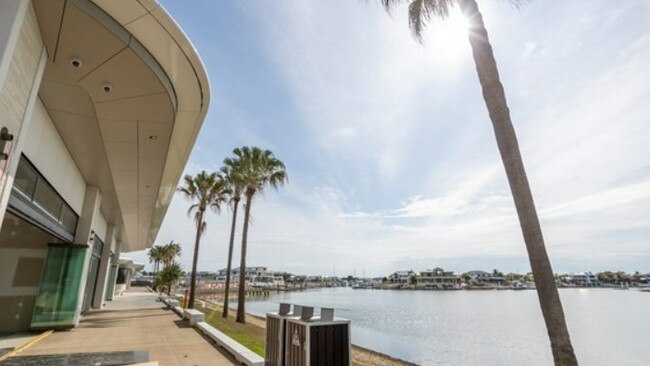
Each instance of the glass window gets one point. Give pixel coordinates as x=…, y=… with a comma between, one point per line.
x=26, y=178
x=68, y=219
x=47, y=198
x=30, y=182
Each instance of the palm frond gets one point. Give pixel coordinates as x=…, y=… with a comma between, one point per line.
x=192, y=208
x=421, y=12
x=419, y=15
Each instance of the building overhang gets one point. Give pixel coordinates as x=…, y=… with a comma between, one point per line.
x=128, y=263
x=127, y=92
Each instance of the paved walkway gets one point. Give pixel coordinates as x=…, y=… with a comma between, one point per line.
x=136, y=321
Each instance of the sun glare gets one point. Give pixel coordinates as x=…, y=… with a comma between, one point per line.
x=449, y=36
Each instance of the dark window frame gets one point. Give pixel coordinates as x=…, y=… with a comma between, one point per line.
x=30, y=197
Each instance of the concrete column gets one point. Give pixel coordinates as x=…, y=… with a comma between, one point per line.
x=104, y=265
x=117, y=251
x=114, y=262
x=129, y=274
x=84, y=235
x=89, y=212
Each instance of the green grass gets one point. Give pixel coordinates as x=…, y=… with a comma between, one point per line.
x=249, y=335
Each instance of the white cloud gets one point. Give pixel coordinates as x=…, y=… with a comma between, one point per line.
x=357, y=75
x=384, y=113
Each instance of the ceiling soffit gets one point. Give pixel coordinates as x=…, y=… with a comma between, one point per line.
x=115, y=112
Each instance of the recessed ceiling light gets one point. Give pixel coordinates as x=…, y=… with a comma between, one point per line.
x=152, y=137
x=76, y=62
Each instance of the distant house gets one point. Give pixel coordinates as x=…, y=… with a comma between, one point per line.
x=251, y=272
x=514, y=276
x=205, y=276
x=484, y=278
x=645, y=278
x=583, y=279
x=402, y=276
x=438, y=278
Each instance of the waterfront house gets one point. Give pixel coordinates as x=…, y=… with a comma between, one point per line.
x=478, y=277
x=513, y=276
x=259, y=277
x=439, y=279
x=202, y=277
x=402, y=276
x=583, y=279
x=251, y=272
x=645, y=279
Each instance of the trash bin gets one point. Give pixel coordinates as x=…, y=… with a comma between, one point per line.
x=317, y=341
x=275, y=333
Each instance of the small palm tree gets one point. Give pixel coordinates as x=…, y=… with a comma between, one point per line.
x=170, y=251
x=170, y=275
x=205, y=191
x=420, y=13
x=234, y=184
x=257, y=169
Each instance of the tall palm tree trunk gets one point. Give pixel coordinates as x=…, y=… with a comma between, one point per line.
x=495, y=101
x=155, y=275
x=199, y=227
x=241, y=300
x=229, y=266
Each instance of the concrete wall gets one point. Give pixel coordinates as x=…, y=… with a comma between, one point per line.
x=47, y=151
x=22, y=256
x=22, y=60
x=23, y=56
x=11, y=19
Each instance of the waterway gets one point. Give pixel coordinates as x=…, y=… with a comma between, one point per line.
x=607, y=327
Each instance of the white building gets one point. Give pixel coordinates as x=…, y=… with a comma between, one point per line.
x=100, y=105
x=255, y=276
x=584, y=279
x=249, y=273
x=402, y=276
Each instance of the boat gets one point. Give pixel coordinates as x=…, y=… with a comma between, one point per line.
x=518, y=285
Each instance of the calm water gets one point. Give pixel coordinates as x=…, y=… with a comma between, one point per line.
x=608, y=327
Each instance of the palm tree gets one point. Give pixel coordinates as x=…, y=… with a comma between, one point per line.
x=257, y=168
x=155, y=256
x=170, y=275
x=230, y=173
x=206, y=191
x=420, y=13
x=170, y=251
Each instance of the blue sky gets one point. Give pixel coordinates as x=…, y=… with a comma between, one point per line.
x=390, y=152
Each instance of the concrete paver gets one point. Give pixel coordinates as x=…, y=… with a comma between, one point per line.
x=136, y=321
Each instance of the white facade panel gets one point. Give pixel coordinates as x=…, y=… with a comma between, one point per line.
x=46, y=150
x=100, y=227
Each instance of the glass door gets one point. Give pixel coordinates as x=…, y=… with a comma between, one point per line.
x=93, y=269
x=58, y=293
